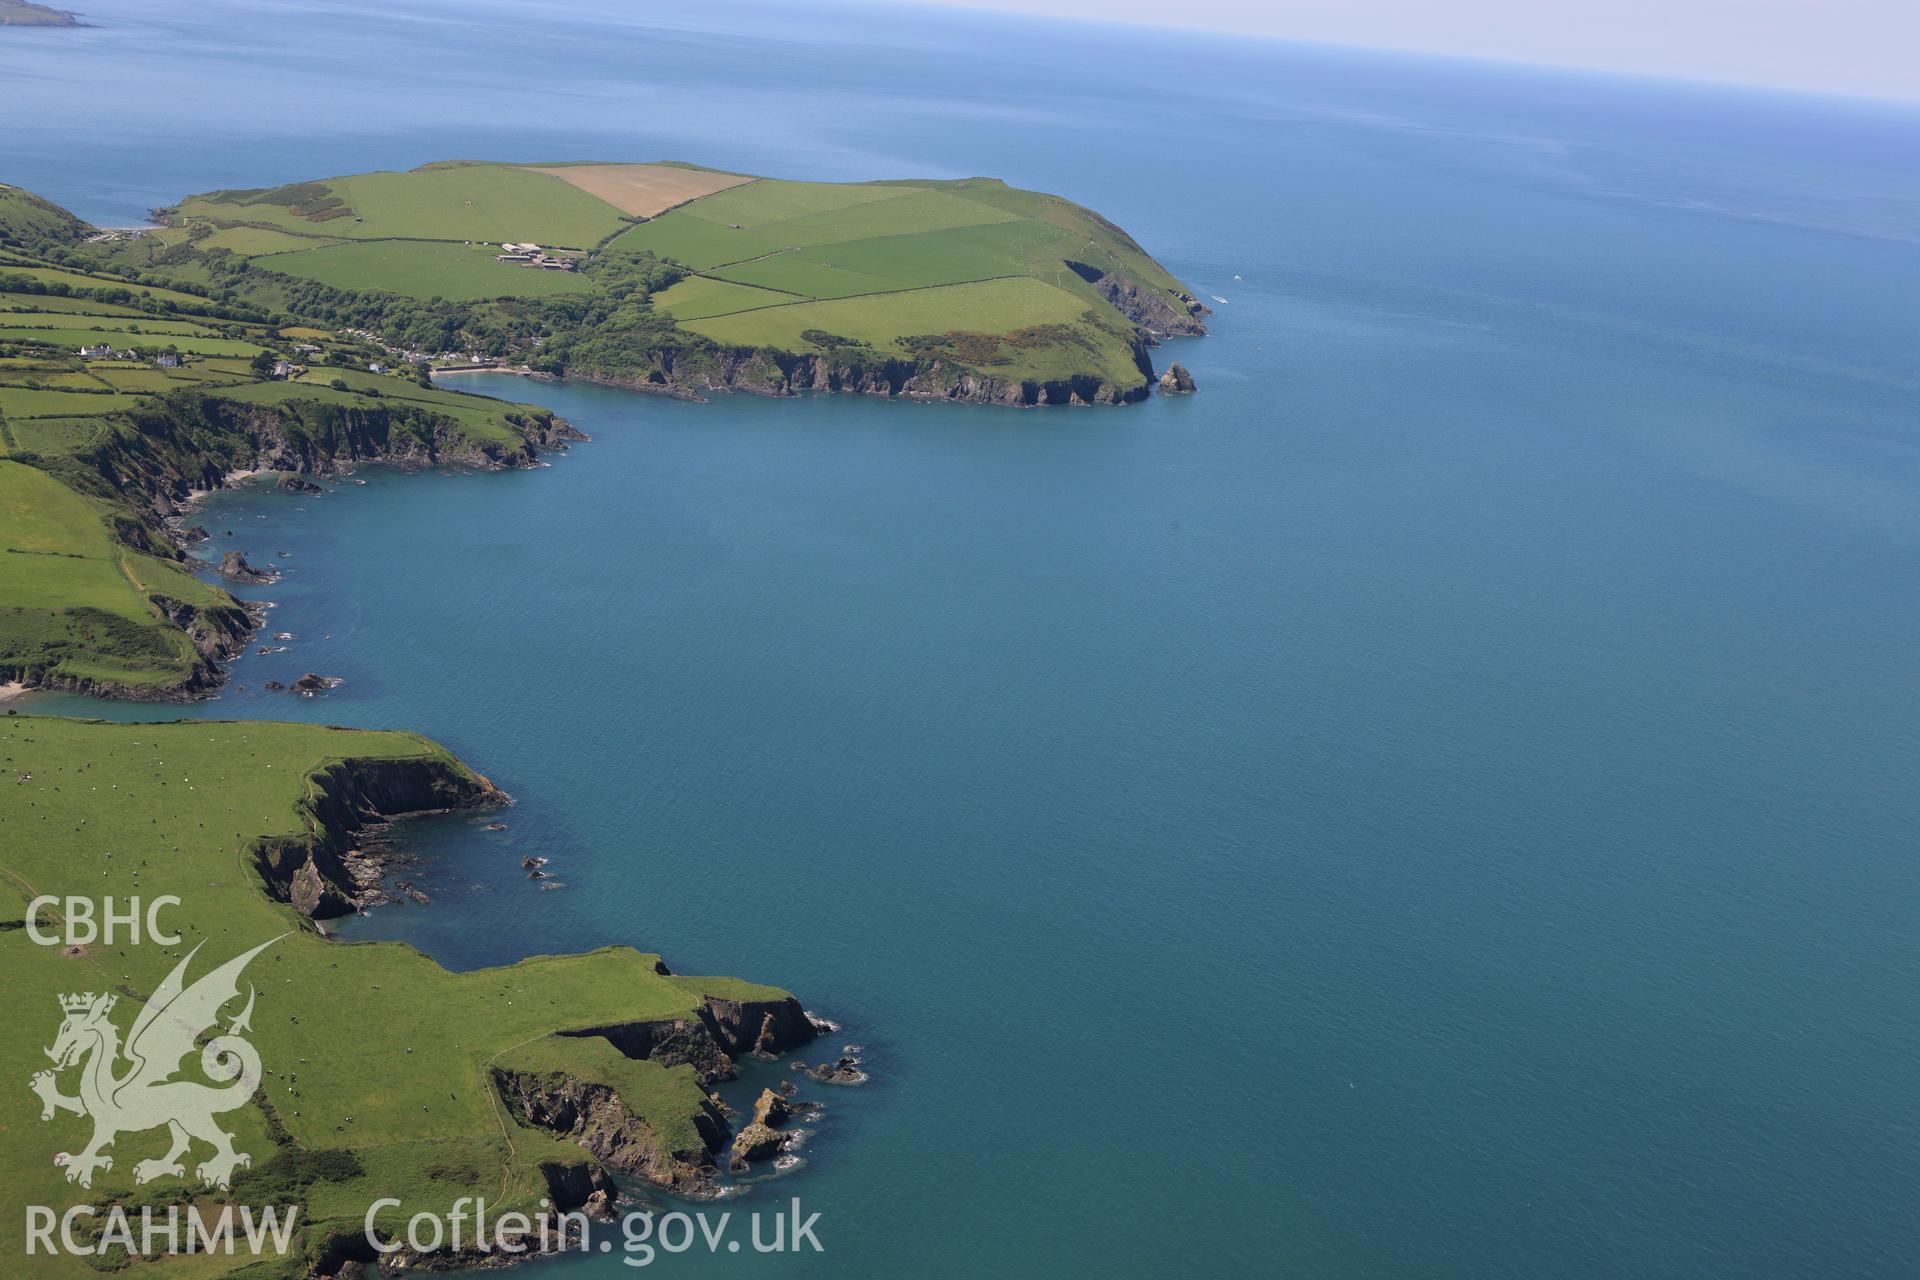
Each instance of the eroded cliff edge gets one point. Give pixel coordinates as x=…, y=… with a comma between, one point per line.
x=179, y=446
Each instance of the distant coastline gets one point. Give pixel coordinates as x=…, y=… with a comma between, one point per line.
x=24, y=13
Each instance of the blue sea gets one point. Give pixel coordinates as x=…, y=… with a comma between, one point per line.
x=1440, y=802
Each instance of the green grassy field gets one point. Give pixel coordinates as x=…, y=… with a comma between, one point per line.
x=992, y=306
x=482, y=417
x=808, y=273
x=989, y=307
x=196, y=343
x=52, y=437
x=882, y=262
x=10, y=265
x=27, y=220
x=25, y=402
x=123, y=376
x=15, y=304
x=73, y=603
x=250, y=242
x=698, y=296
x=771, y=200
x=101, y=320
x=490, y=202
x=41, y=377
x=368, y=1047
x=421, y=270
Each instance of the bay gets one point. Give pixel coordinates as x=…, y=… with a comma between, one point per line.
x=1437, y=802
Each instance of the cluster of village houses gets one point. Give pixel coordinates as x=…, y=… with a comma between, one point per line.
x=166, y=359
x=412, y=355
x=287, y=368
x=532, y=255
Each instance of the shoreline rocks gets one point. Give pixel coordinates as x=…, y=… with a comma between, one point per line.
x=843, y=1070
x=234, y=565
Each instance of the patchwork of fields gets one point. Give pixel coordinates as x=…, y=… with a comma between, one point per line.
x=801, y=266
x=889, y=267
x=78, y=604
x=1013, y=292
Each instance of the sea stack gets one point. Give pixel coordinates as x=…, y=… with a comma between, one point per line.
x=234, y=565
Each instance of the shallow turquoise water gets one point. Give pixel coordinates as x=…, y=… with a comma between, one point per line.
x=1437, y=803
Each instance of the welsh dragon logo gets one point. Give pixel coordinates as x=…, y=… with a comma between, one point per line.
x=130, y=1088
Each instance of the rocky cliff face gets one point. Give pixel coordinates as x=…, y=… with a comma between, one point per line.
x=1176, y=381
x=189, y=442
x=596, y=1117
x=1160, y=313
x=674, y=1042
x=310, y=871
x=218, y=634
x=758, y=1026
x=781, y=373
x=234, y=566
x=718, y=1033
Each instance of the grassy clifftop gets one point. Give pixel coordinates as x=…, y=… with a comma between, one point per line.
x=685, y=278
x=79, y=608
x=119, y=395
x=122, y=390
x=385, y=1075
x=28, y=221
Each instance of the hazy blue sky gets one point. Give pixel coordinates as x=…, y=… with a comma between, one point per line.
x=1869, y=48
